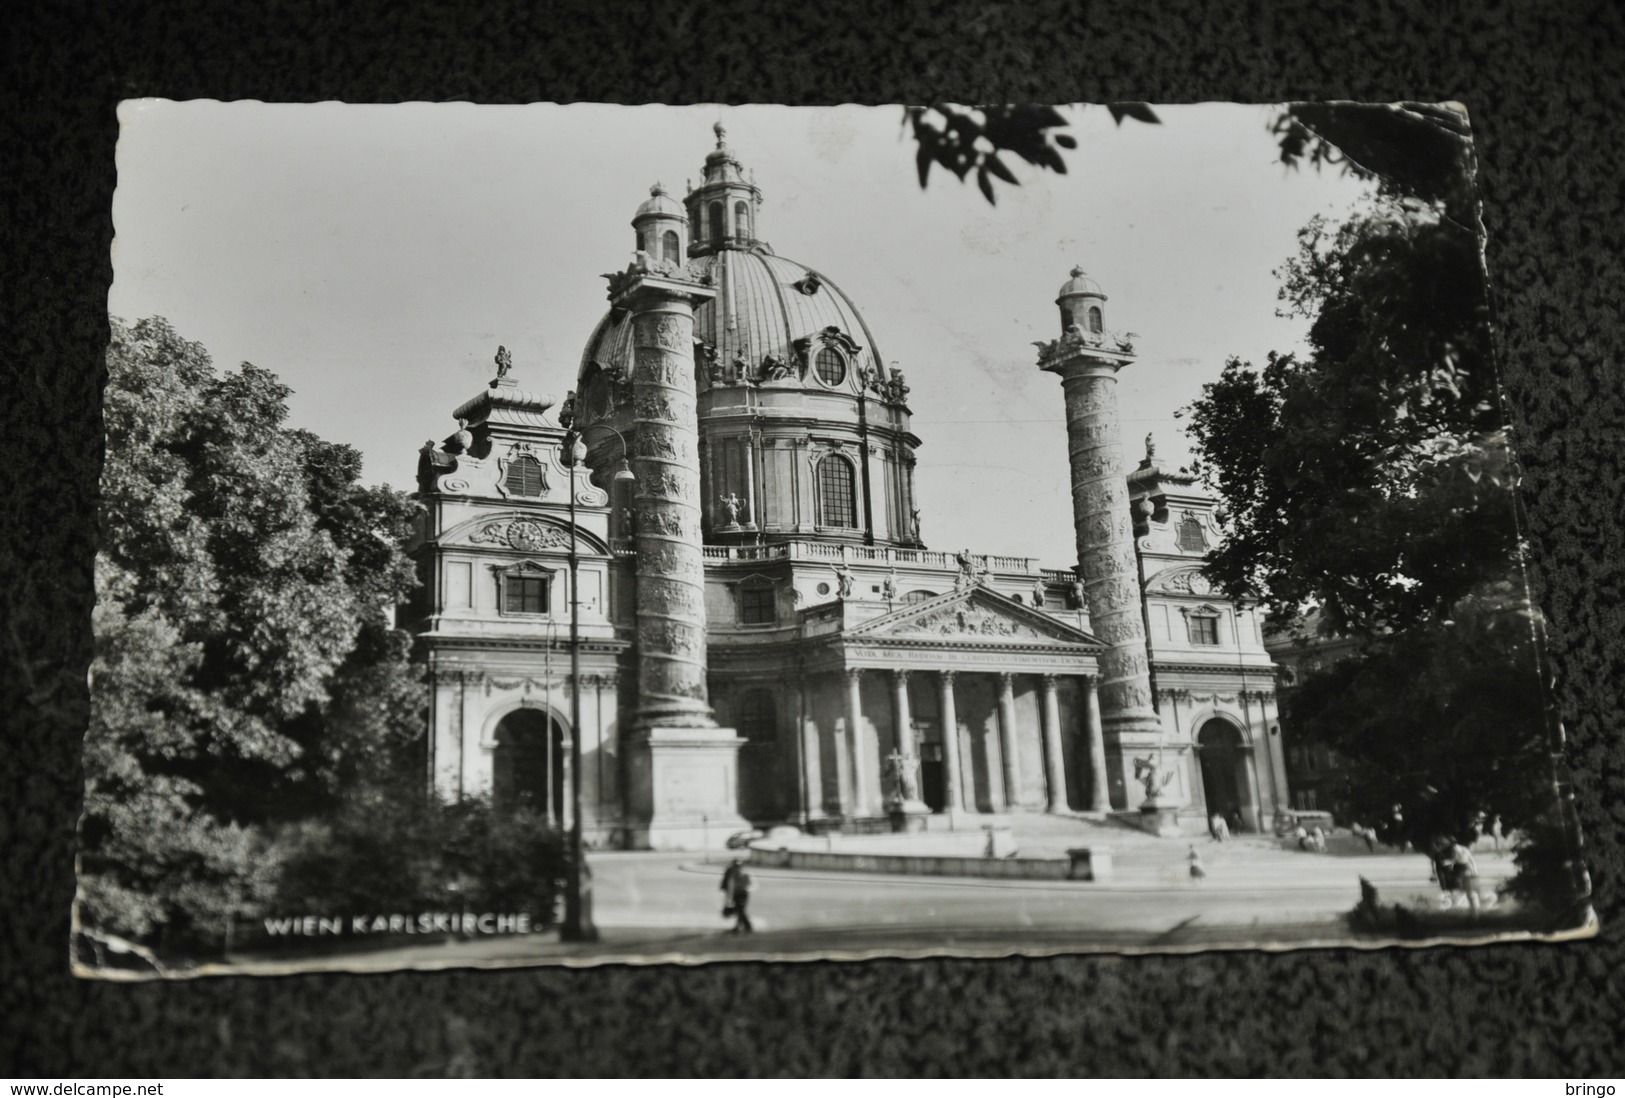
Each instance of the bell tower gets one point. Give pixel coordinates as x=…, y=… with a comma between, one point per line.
x=662, y=227
x=722, y=209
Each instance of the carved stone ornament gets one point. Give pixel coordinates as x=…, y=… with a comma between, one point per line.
x=967, y=620
x=528, y=537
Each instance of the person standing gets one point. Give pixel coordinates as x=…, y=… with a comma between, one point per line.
x=736, y=892
x=1198, y=870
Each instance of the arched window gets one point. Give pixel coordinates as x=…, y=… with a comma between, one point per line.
x=1094, y=318
x=669, y=245
x=718, y=225
x=741, y=221
x=1191, y=537
x=835, y=495
x=919, y=596
x=525, y=477
x=831, y=366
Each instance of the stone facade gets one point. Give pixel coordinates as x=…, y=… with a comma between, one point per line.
x=764, y=635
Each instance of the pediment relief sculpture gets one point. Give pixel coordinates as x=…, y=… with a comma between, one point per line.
x=966, y=620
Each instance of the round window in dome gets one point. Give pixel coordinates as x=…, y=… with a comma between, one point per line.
x=831, y=366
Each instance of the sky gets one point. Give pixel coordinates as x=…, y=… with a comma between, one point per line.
x=374, y=256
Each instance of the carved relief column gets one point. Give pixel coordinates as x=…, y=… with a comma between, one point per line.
x=665, y=460
x=861, y=765
x=1100, y=796
x=953, y=798
x=685, y=773
x=1103, y=527
x=1054, y=764
x=1007, y=741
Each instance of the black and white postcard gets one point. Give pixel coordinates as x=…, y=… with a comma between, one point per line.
x=567, y=534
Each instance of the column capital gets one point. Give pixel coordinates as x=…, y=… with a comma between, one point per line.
x=853, y=674
x=947, y=676
x=1006, y=678
x=900, y=675
x=1050, y=679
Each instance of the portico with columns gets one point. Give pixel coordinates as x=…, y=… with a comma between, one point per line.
x=938, y=711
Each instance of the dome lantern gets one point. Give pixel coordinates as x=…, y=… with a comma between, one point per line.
x=1082, y=303
x=722, y=209
x=661, y=225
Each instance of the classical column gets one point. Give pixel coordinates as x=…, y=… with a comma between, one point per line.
x=907, y=751
x=953, y=796
x=1054, y=765
x=666, y=462
x=1104, y=532
x=812, y=774
x=861, y=765
x=1100, y=797
x=1007, y=740
x=683, y=771
x=751, y=494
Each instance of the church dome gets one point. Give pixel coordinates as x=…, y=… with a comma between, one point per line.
x=660, y=204
x=803, y=425
x=1080, y=284
x=766, y=306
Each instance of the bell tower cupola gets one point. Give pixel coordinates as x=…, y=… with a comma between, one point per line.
x=662, y=227
x=1082, y=303
x=723, y=208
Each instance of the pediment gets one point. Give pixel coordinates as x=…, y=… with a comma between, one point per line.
x=1182, y=579
x=977, y=615
x=526, y=533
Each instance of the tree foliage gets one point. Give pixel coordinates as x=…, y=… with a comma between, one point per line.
x=974, y=139
x=1369, y=477
x=246, y=670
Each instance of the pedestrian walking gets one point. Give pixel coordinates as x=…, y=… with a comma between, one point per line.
x=1496, y=833
x=1218, y=828
x=1317, y=840
x=1198, y=871
x=1466, y=875
x=736, y=896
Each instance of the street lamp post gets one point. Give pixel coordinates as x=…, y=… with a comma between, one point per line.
x=578, y=925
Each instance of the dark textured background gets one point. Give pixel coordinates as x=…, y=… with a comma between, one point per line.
x=1544, y=86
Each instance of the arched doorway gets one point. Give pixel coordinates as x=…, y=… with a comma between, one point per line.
x=527, y=768
x=1223, y=781
x=756, y=720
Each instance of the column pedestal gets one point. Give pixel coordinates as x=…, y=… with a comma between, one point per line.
x=684, y=785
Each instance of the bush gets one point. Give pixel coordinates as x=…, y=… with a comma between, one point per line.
x=413, y=853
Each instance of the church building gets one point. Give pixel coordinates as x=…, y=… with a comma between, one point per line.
x=763, y=637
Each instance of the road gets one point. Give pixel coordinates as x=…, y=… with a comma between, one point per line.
x=667, y=907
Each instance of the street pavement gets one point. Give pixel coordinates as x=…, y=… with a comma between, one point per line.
x=654, y=907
